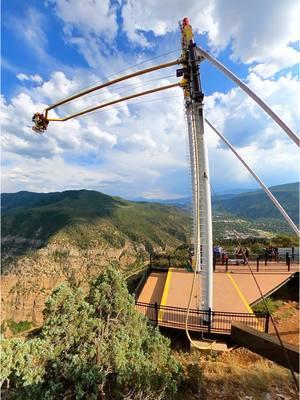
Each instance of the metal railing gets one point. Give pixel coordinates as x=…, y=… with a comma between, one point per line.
x=167, y=261
x=257, y=264
x=201, y=320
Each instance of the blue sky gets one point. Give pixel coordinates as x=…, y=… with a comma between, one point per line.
x=53, y=48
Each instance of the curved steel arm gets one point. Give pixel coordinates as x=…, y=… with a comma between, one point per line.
x=88, y=110
x=109, y=83
x=272, y=197
x=203, y=54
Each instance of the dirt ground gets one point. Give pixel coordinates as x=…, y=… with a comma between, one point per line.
x=287, y=322
x=236, y=375
x=240, y=374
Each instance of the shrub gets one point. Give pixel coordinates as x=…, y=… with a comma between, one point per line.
x=273, y=305
x=91, y=347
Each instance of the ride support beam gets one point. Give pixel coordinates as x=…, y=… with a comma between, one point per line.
x=109, y=83
x=202, y=197
x=203, y=54
x=110, y=103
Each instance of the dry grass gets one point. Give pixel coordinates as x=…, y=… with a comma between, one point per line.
x=238, y=374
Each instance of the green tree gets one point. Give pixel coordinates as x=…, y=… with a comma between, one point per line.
x=93, y=347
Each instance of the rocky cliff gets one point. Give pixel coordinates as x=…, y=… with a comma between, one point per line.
x=72, y=236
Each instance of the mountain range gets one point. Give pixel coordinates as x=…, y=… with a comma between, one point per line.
x=251, y=204
x=48, y=238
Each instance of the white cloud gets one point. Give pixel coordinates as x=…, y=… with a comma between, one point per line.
x=34, y=78
x=46, y=175
x=30, y=29
x=161, y=17
x=266, y=148
x=90, y=16
x=122, y=155
x=244, y=122
x=257, y=31
x=141, y=150
x=90, y=25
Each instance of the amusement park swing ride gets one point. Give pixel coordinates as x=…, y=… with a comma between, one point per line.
x=209, y=299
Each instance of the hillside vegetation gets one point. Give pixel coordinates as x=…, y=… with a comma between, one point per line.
x=257, y=206
x=73, y=236
x=40, y=216
x=94, y=346
x=49, y=238
x=86, y=219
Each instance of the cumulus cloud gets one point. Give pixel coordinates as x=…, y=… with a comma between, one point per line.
x=30, y=29
x=125, y=156
x=244, y=122
x=141, y=149
x=161, y=17
x=266, y=148
x=89, y=25
x=94, y=16
x=260, y=32
x=34, y=78
x=257, y=30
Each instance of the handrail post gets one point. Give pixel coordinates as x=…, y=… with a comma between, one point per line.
x=214, y=263
x=267, y=323
x=209, y=320
x=288, y=263
x=169, y=258
x=156, y=313
x=226, y=264
x=150, y=260
x=286, y=258
x=257, y=264
x=266, y=259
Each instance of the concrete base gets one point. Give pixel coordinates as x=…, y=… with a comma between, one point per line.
x=207, y=347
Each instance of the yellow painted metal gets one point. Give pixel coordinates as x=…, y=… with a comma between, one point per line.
x=115, y=102
x=109, y=83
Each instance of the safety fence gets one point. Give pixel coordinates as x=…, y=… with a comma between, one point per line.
x=258, y=265
x=201, y=320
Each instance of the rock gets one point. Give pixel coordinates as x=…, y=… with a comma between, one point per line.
x=31, y=279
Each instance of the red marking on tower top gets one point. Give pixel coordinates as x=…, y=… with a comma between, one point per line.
x=186, y=21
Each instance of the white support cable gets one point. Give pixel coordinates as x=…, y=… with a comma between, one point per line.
x=203, y=54
x=271, y=196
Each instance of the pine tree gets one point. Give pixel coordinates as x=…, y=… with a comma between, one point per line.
x=93, y=347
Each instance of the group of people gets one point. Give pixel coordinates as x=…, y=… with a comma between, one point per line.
x=271, y=253
x=220, y=253
x=241, y=253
